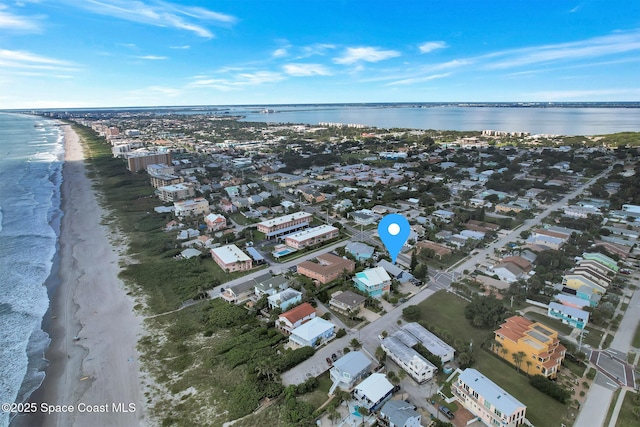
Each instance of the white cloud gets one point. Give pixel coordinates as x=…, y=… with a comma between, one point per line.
x=353, y=55
x=418, y=79
x=431, y=46
x=582, y=49
x=316, y=49
x=11, y=22
x=152, y=57
x=186, y=46
x=279, y=53
x=300, y=70
x=237, y=81
x=158, y=13
x=26, y=60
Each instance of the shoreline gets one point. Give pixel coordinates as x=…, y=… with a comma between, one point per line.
x=102, y=366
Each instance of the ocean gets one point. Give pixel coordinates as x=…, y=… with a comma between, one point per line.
x=31, y=158
x=554, y=121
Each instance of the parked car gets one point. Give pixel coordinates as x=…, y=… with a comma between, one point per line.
x=446, y=412
x=329, y=361
x=334, y=357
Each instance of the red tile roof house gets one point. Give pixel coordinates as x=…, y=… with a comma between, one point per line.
x=295, y=317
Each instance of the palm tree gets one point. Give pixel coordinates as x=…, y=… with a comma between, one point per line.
x=529, y=363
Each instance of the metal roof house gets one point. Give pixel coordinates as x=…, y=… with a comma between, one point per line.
x=373, y=391
x=488, y=401
x=418, y=368
x=398, y=413
x=431, y=342
x=348, y=370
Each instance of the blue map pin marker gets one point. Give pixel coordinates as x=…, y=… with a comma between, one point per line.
x=394, y=230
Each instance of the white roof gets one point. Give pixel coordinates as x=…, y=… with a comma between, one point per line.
x=213, y=217
x=284, y=219
x=310, y=233
x=230, y=254
x=491, y=392
x=312, y=329
x=174, y=187
x=375, y=387
x=373, y=276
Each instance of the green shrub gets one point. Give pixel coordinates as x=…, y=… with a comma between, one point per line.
x=550, y=388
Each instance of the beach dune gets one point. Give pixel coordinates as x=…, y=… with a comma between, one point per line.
x=94, y=365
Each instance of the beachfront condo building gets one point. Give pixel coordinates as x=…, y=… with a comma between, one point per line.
x=138, y=161
x=284, y=225
x=198, y=206
x=311, y=236
x=488, y=401
x=176, y=192
x=531, y=347
x=231, y=258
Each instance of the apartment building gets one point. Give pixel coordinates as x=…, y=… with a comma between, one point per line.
x=488, y=401
x=284, y=225
x=327, y=268
x=176, y=192
x=138, y=161
x=414, y=364
x=311, y=236
x=536, y=346
x=192, y=207
x=231, y=258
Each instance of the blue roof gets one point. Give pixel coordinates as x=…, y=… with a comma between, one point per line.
x=255, y=254
x=490, y=391
x=352, y=363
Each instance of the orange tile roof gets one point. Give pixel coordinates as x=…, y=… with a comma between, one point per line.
x=299, y=312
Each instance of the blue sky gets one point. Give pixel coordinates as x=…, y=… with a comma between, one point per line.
x=105, y=53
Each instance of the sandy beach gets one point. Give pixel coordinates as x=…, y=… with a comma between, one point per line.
x=94, y=365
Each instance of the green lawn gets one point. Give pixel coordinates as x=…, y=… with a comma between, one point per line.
x=240, y=219
x=446, y=311
x=320, y=395
x=593, y=338
x=636, y=337
x=552, y=323
x=626, y=418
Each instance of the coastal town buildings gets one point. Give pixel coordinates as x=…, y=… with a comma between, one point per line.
x=284, y=225
x=311, y=236
x=191, y=207
x=327, y=268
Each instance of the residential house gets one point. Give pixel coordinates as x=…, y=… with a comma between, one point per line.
x=346, y=302
x=577, y=281
x=508, y=271
x=602, y=259
x=284, y=299
x=398, y=413
x=362, y=218
x=373, y=391
x=215, y=222
x=444, y=215
x=395, y=271
x=270, y=285
x=227, y=206
x=231, y=258
x=373, y=281
x=488, y=401
x=238, y=293
x=571, y=316
x=313, y=196
x=360, y=251
x=418, y=368
x=295, y=317
x=348, y=370
x=313, y=333
x=327, y=268
x=540, y=344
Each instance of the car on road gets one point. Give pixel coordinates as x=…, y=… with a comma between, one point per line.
x=446, y=412
x=334, y=357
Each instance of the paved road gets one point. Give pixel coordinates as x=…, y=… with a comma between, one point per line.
x=594, y=410
x=624, y=335
x=280, y=268
x=471, y=262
